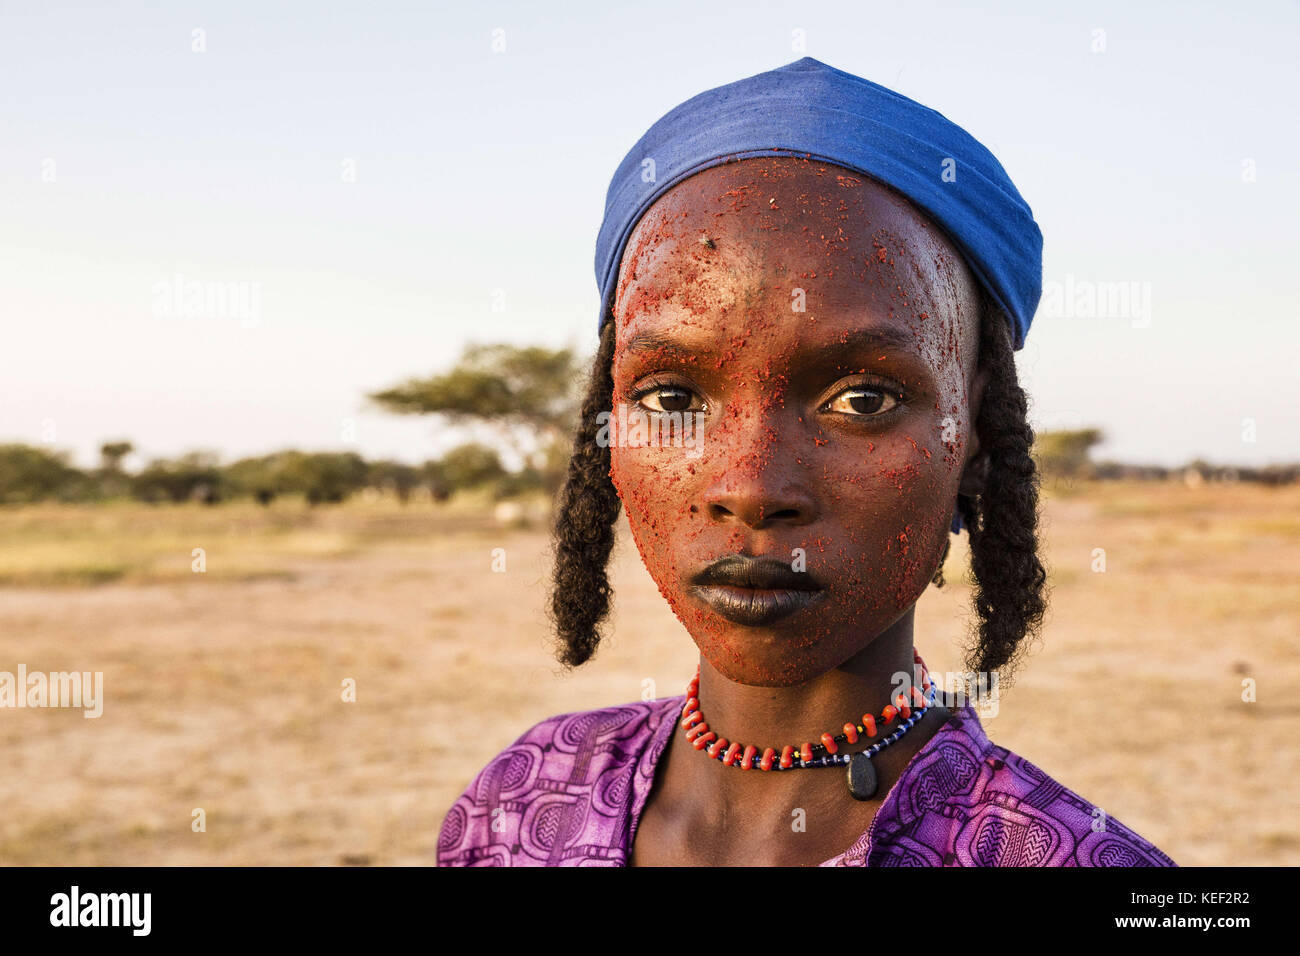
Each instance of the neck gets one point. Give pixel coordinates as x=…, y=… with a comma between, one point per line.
x=777, y=716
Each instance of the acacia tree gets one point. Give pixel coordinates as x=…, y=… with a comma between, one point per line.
x=529, y=396
x=112, y=453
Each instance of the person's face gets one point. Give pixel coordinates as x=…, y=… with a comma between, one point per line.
x=828, y=338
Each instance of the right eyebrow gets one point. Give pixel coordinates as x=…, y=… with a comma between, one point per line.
x=660, y=344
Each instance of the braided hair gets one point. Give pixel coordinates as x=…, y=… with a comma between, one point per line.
x=1002, y=519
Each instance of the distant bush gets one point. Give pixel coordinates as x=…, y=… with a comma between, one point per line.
x=320, y=477
x=471, y=466
x=1065, y=452
x=192, y=477
x=394, y=477
x=30, y=474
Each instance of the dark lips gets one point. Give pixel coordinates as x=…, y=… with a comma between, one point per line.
x=755, y=591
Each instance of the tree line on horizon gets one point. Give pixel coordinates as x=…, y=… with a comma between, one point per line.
x=527, y=396
x=29, y=474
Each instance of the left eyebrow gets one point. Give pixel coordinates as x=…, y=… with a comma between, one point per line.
x=868, y=339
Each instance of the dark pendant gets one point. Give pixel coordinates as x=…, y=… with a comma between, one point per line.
x=862, y=777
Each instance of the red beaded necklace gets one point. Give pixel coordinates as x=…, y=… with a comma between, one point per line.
x=862, y=777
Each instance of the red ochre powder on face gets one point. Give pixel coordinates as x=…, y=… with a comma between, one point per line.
x=765, y=445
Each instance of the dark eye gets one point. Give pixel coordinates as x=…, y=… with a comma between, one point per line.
x=667, y=398
x=862, y=400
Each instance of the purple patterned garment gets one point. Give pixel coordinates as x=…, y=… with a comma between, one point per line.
x=571, y=790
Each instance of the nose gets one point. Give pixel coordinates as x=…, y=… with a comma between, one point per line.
x=759, y=497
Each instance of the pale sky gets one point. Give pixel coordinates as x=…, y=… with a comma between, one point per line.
x=1155, y=143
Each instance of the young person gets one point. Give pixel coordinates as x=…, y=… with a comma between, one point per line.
x=814, y=287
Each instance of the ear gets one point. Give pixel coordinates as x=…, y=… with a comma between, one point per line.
x=975, y=470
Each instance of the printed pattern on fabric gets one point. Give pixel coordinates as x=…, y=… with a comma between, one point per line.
x=560, y=795
x=570, y=791
x=964, y=801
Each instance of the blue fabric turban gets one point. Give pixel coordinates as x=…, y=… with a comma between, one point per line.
x=815, y=110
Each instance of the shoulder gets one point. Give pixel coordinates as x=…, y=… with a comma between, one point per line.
x=967, y=802
x=562, y=793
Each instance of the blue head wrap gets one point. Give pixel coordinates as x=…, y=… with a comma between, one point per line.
x=825, y=114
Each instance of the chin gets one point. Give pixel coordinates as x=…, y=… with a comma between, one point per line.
x=760, y=671
x=765, y=657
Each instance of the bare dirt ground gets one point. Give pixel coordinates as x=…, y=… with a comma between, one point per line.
x=223, y=689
